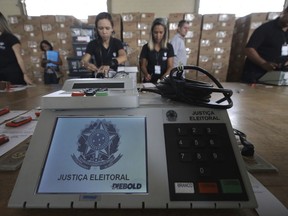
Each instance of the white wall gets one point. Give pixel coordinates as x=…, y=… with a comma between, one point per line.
x=161, y=8
x=10, y=7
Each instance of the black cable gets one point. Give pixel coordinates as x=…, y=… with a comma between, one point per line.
x=248, y=147
x=197, y=93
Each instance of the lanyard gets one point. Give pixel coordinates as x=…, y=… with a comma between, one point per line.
x=107, y=54
x=284, y=37
x=157, y=57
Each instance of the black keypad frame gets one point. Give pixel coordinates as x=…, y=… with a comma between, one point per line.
x=201, y=153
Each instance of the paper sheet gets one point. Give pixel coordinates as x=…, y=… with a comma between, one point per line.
x=268, y=204
x=18, y=134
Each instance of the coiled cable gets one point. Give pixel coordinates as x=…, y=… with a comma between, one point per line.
x=193, y=92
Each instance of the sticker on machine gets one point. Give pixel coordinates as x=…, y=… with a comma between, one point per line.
x=184, y=187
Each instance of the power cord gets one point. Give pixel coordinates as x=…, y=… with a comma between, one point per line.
x=197, y=93
x=248, y=147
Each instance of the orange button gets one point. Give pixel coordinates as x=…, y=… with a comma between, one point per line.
x=77, y=93
x=208, y=187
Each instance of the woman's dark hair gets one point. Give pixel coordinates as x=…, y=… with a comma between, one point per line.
x=103, y=15
x=100, y=16
x=4, y=26
x=47, y=43
x=162, y=22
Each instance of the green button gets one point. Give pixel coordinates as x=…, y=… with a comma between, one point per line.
x=102, y=93
x=231, y=186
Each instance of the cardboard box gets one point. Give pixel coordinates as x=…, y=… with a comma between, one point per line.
x=147, y=17
x=35, y=20
x=209, y=26
x=144, y=25
x=205, y=59
x=192, y=59
x=253, y=17
x=133, y=57
x=132, y=42
x=130, y=17
x=36, y=36
x=130, y=26
x=210, y=18
x=173, y=26
x=131, y=34
x=15, y=19
x=27, y=27
x=117, y=19
x=207, y=42
x=145, y=34
x=68, y=20
x=195, y=25
x=47, y=19
x=175, y=17
x=227, y=25
x=193, y=17
x=141, y=42
x=206, y=51
x=91, y=19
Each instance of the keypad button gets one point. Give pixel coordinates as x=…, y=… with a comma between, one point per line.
x=217, y=156
x=196, y=131
x=210, y=130
x=181, y=131
x=185, y=157
x=200, y=164
x=204, y=171
x=200, y=156
x=198, y=143
x=213, y=142
x=184, y=188
x=208, y=187
x=184, y=143
x=231, y=186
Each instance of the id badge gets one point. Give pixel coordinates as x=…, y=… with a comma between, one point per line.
x=284, y=50
x=157, y=69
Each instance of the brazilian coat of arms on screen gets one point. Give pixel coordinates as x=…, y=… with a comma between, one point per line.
x=98, y=145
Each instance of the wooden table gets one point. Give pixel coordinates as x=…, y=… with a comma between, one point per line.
x=258, y=111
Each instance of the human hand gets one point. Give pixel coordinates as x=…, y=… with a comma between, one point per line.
x=90, y=67
x=147, y=77
x=27, y=79
x=269, y=66
x=104, y=69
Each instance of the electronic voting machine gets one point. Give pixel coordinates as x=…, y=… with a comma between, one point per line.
x=279, y=78
x=118, y=148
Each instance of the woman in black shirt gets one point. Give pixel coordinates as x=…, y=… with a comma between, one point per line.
x=51, y=68
x=12, y=67
x=107, y=51
x=156, y=57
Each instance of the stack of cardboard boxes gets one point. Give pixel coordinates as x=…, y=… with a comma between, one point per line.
x=28, y=31
x=136, y=29
x=243, y=29
x=215, y=45
x=32, y=30
x=215, y=42
x=135, y=33
x=192, y=37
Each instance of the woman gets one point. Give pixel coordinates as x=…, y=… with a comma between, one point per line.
x=51, y=65
x=107, y=51
x=12, y=68
x=156, y=57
